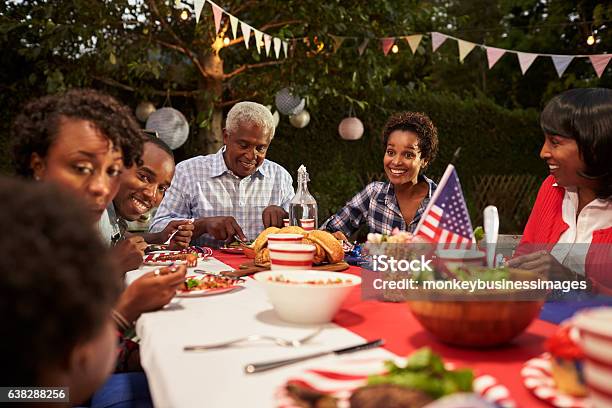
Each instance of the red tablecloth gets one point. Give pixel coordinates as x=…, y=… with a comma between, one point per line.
x=403, y=334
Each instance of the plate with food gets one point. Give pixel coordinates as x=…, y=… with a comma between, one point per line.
x=207, y=285
x=424, y=380
x=557, y=376
x=234, y=248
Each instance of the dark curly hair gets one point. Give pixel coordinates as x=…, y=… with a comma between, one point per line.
x=57, y=285
x=421, y=125
x=585, y=115
x=37, y=125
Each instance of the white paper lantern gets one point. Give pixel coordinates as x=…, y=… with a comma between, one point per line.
x=300, y=120
x=171, y=126
x=143, y=110
x=350, y=129
x=287, y=103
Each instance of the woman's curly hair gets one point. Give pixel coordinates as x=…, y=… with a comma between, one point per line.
x=57, y=285
x=421, y=125
x=35, y=128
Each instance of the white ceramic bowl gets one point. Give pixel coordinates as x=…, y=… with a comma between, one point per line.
x=291, y=256
x=306, y=303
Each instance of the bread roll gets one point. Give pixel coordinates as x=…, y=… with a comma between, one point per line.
x=262, y=240
x=329, y=243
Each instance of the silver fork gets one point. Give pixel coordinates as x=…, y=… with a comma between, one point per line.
x=256, y=337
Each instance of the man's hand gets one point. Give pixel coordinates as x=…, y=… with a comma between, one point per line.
x=273, y=216
x=222, y=228
x=129, y=252
x=543, y=263
x=184, y=232
x=150, y=292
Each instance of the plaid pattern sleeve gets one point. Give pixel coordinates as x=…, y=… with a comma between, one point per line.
x=204, y=187
x=354, y=213
x=376, y=205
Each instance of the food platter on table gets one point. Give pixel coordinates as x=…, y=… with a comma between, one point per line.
x=338, y=380
x=207, y=285
x=188, y=256
x=537, y=378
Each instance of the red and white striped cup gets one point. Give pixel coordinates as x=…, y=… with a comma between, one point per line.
x=285, y=222
x=291, y=256
x=285, y=239
x=595, y=327
x=307, y=224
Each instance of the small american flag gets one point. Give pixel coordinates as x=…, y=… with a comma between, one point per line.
x=446, y=219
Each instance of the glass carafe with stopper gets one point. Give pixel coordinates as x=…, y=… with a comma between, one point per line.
x=303, y=207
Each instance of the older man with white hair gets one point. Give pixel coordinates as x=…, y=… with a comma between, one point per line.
x=235, y=191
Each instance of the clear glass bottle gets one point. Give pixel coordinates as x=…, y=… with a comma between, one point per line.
x=303, y=207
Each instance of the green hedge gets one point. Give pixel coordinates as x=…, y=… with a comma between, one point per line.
x=493, y=140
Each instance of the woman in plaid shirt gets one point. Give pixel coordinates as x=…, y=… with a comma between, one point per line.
x=410, y=140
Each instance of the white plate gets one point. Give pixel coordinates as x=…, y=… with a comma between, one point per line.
x=206, y=292
x=341, y=378
x=537, y=378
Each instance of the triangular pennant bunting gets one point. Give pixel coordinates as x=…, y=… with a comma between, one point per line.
x=561, y=63
x=267, y=43
x=386, y=44
x=285, y=48
x=258, y=40
x=234, y=24
x=465, y=47
x=414, y=41
x=277, y=47
x=246, y=33
x=198, y=5
x=217, y=14
x=437, y=39
x=363, y=46
x=337, y=42
x=600, y=62
x=525, y=60
x=493, y=55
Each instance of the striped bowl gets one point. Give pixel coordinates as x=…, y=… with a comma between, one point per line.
x=307, y=224
x=285, y=239
x=291, y=256
x=595, y=327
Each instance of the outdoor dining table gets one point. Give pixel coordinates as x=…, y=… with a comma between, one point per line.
x=216, y=378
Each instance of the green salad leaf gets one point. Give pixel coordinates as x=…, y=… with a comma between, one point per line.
x=425, y=371
x=191, y=283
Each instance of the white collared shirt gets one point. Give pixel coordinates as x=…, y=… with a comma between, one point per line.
x=573, y=244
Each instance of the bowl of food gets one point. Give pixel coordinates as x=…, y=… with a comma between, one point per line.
x=491, y=307
x=307, y=296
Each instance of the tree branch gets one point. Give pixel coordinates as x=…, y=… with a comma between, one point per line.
x=251, y=66
x=117, y=84
x=181, y=47
x=234, y=101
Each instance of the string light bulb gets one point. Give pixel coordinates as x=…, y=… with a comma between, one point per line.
x=226, y=41
x=184, y=15
x=395, y=49
x=591, y=39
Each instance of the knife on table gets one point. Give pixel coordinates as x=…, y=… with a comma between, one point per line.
x=269, y=365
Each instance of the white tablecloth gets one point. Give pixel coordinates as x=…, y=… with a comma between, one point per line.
x=215, y=378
